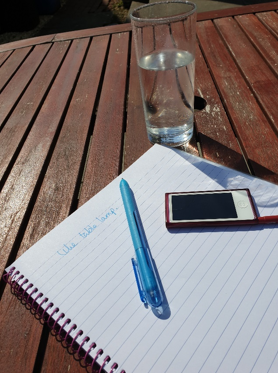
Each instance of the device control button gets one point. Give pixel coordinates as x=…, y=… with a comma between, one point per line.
x=242, y=204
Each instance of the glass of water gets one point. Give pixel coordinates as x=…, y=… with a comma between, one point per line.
x=164, y=34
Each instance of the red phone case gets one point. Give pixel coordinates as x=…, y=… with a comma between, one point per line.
x=170, y=224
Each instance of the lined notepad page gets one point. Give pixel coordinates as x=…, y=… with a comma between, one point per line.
x=220, y=284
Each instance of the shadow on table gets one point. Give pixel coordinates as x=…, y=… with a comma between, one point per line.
x=216, y=152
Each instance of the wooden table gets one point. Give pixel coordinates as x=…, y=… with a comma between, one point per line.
x=71, y=120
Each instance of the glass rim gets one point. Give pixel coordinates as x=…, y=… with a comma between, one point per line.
x=171, y=18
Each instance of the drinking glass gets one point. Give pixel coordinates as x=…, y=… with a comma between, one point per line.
x=165, y=35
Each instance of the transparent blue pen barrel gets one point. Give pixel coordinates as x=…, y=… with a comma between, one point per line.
x=148, y=279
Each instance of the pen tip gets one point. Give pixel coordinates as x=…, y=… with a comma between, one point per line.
x=123, y=182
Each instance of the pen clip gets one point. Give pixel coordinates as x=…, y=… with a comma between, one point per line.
x=138, y=281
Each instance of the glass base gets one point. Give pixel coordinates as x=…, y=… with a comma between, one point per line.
x=172, y=136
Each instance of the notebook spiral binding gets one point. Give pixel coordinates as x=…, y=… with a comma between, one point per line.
x=13, y=278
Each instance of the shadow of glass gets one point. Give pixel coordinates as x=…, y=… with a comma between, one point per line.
x=216, y=152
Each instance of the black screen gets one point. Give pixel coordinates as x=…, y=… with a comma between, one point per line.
x=203, y=206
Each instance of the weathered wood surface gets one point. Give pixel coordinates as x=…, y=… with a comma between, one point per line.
x=71, y=119
x=270, y=20
x=108, y=30
x=21, y=185
x=16, y=128
x=260, y=78
x=258, y=140
x=104, y=160
x=13, y=91
x=12, y=65
x=262, y=39
x=217, y=138
x=230, y=12
x=26, y=43
x=53, y=202
x=4, y=56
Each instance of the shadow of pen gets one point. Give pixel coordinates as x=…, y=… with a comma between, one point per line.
x=166, y=311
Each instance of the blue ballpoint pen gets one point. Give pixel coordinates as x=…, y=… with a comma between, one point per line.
x=148, y=287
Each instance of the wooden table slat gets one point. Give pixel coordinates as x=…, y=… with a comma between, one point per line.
x=55, y=355
x=261, y=38
x=20, y=80
x=14, y=132
x=258, y=142
x=4, y=56
x=270, y=20
x=108, y=30
x=21, y=333
x=106, y=147
x=26, y=42
x=11, y=65
x=54, y=200
x=261, y=79
x=216, y=136
x=229, y=12
x=17, y=193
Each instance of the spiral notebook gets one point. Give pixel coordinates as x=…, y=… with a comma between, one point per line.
x=220, y=285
